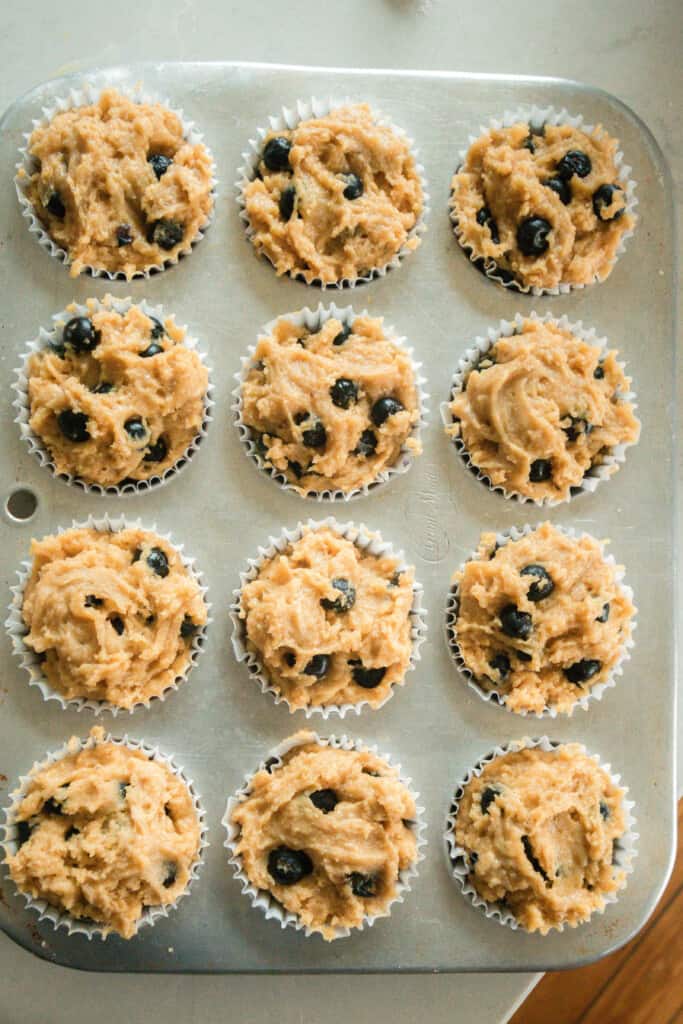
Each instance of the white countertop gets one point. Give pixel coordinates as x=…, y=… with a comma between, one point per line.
x=625, y=46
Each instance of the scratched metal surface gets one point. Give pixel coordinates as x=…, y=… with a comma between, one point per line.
x=219, y=725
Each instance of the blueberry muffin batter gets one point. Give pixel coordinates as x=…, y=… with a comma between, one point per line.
x=541, y=409
x=327, y=832
x=117, y=186
x=546, y=206
x=334, y=198
x=539, y=829
x=111, y=614
x=541, y=620
x=334, y=409
x=330, y=623
x=104, y=833
x=116, y=397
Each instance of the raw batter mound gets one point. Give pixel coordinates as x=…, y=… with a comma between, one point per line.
x=539, y=828
x=334, y=409
x=117, y=185
x=104, y=833
x=545, y=205
x=335, y=198
x=112, y=614
x=542, y=408
x=542, y=619
x=116, y=398
x=327, y=833
x=329, y=623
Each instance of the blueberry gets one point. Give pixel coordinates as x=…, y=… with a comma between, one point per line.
x=295, y=467
x=540, y=470
x=159, y=163
x=604, y=614
x=290, y=659
x=561, y=188
x=500, y=663
x=158, y=562
x=354, y=186
x=343, y=335
x=73, y=425
x=603, y=198
x=52, y=806
x=533, y=860
x=523, y=656
x=301, y=417
x=136, y=555
x=151, y=350
x=123, y=789
x=395, y=579
x=515, y=623
x=286, y=204
x=487, y=798
x=324, y=799
x=170, y=874
x=166, y=233
x=532, y=236
x=135, y=429
x=367, y=444
x=55, y=206
x=344, y=392
x=599, y=372
x=80, y=334
x=71, y=832
x=93, y=602
x=156, y=452
x=276, y=153
x=287, y=866
x=117, y=623
x=484, y=217
x=188, y=628
x=158, y=329
x=104, y=388
x=574, y=162
x=124, y=235
x=23, y=833
x=364, y=886
x=383, y=409
x=604, y=810
x=315, y=436
x=318, y=666
x=542, y=586
x=368, y=678
x=577, y=426
x=528, y=143
x=346, y=599
x=582, y=671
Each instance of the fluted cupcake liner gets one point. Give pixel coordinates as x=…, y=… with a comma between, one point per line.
x=262, y=899
x=367, y=541
x=537, y=116
x=289, y=118
x=494, y=696
x=313, y=320
x=30, y=661
x=611, y=461
x=22, y=405
x=61, y=918
x=625, y=848
x=85, y=96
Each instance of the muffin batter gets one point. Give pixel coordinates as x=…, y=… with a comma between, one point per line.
x=105, y=833
x=546, y=206
x=329, y=623
x=541, y=409
x=542, y=619
x=334, y=409
x=117, y=185
x=539, y=829
x=334, y=198
x=112, y=614
x=116, y=397
x=327, y=833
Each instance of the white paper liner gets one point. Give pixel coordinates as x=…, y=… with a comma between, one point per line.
x=262, y=899
x=537, y=116
x=611, y=461
x=493, y=696
x=61, y=918
x=36, y=445
x=625, y=848
x=86, y=95
x=369, y=542
x=289, y=118
x=28, y=658
x=313, y=320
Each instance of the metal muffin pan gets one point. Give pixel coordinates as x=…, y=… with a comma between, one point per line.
x=218, y=725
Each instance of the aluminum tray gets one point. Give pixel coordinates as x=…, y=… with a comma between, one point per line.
x=219, y=724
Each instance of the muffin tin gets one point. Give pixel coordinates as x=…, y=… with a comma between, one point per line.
x=219, y=725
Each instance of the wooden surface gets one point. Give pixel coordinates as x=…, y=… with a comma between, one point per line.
x=639, y=984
